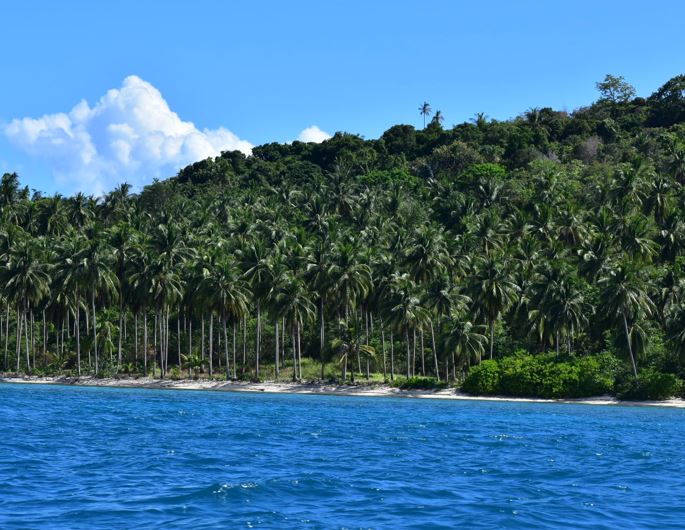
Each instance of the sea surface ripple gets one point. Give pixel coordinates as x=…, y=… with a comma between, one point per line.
x=124, y=458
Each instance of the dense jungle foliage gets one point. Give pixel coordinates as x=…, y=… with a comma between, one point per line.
x=557, y=235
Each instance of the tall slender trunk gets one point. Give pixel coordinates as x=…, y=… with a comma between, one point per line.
x=299, y=352
x=557, y=342
x=178, y=337
x=18, y=344
x=135, y=332
x=202, y=339
x=26, y=335
x=190, y=336
x=435, y=351
x=322, y=338
x=413, y=358
x=277, y=344
x=154, y=342
x=7, y=331
x=392, y=357
x=630, y=347
x=77, y=321
x=244, y=342
x=145, y=343
x=211, y=344
x=258, y=339
x=228, y=365
x=165, y=339
x=95, y=334
x=33, y=338
x=292, y=331
x=235, y=369
x=423, y=356
x=492, y=339
x=385, y=371
x=45, y=341
x=121, y=330
x=406, y=338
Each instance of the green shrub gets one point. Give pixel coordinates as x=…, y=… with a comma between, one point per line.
x=483, y=380
x=420, y=383
x=544, y=375
x=650, y=384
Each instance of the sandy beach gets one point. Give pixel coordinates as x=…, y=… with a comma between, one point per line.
x=359, y=390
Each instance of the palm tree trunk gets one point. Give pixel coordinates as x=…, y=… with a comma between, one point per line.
x=435, y=351
x=145, y=343
x=413, y=358
x=423, y=357
x=385, y=370
x=77, y=320
x=492, y=339
x=277, y=344
x=392, y=357
x=258, y=341
x=630, y=347
x=166, y=340
x=556, y=339
x=228, y=366
x=18, y=344
x=26, y=335
x=7, y=331
x=202, y=339
x=95, y=336
x=235, y=369
x=211, y=344
x=322, y=338
x=299, y=353
x=190, y=336
x=121, y=317
x=244, y=342
x=45, y=341
x=406, y=337
x=292, y=331
x=178, y=338
x=135, y=332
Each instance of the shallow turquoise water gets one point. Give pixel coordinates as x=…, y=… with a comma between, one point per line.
x=117, y=458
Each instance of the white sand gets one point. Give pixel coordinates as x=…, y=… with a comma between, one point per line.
x=318, y=388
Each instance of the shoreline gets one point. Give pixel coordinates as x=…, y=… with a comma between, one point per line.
x=361, y=390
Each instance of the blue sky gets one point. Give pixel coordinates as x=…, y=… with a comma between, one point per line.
x=253, y=72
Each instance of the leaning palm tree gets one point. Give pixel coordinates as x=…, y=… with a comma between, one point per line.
x=625, y=301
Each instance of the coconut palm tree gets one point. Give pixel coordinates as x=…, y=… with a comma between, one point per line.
x=425, y=111
x=493, y=290
x=625, y=301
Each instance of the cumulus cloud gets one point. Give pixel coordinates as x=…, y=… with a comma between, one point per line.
x=129, y=135
x=313, y=134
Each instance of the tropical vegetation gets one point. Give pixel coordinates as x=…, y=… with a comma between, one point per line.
x=421, y=254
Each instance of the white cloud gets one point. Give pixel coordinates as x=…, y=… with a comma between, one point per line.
x=129, y=135
x=313, y=134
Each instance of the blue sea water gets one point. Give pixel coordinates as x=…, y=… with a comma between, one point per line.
x=119, y=458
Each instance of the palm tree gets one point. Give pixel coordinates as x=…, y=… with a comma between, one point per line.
x=99, y=278
x=464, y=339
x=625, y=300
x=317, y=275
x=492, y=290
x=425, y=111
x=223, y=290
x=26, y=281
x=404, y=311
x=292, y=302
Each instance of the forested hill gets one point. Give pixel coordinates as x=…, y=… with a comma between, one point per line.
x=420, y=252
